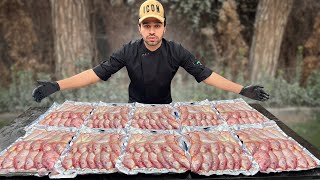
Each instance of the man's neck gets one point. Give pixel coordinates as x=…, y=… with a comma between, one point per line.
x=152, y=48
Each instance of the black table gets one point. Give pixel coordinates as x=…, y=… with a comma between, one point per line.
x=8, y=134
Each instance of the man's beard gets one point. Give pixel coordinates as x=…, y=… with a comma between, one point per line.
x=154, y=43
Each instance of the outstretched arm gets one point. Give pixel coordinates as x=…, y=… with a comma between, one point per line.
x=103, y=71
x=222, y=83
x=46, y=88
x=253, y=92
x=80, y=80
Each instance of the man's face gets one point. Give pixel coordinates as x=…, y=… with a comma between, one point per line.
x=152, y=31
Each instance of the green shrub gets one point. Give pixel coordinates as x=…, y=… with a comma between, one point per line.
x=313, y=88
x=18, y=96
x=184, y=88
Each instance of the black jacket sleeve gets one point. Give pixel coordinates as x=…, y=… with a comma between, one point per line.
x=110, y=66
x=192, y=65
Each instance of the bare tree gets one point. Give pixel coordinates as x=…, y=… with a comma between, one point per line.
x=73, y=43
x=270, y=23
x=232, y=48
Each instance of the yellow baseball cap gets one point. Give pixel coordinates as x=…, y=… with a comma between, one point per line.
x=151, y=8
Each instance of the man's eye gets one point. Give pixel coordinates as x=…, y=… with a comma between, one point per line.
x=157, y=26
x=146, y=26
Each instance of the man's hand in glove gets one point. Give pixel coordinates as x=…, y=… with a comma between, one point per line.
x=255, y=92
x=44, y=89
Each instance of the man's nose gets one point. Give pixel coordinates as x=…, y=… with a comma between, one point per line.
x=152, y=30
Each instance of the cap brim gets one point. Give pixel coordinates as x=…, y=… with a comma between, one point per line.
x=161, y=19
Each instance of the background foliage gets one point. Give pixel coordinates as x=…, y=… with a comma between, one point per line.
x=27, y=54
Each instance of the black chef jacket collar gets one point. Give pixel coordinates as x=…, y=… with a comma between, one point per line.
x=146, y=51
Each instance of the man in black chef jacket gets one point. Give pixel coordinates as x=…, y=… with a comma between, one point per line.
x=151, y=63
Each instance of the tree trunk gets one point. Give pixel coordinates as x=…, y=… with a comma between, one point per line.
x=311, y=62
x=231, y=44
x=299, y=29
x=18, y=40
x=270, y=23
x=73, y=43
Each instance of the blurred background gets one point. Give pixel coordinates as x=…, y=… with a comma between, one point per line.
x=268, y=42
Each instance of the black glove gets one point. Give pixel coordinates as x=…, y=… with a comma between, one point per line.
x=254, y=92
x=44, y=89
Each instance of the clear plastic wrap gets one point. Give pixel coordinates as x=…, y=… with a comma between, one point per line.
x=197, y=114
x=70, y=114
x=35, y=153
x=110, y=116
x=241, y=104
x=238, y=112
x=153, y=152
x=52, y=108
x=155, y=148
x=274, y=151
x=92, y=151
x=217, y=150
x=154, y=117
